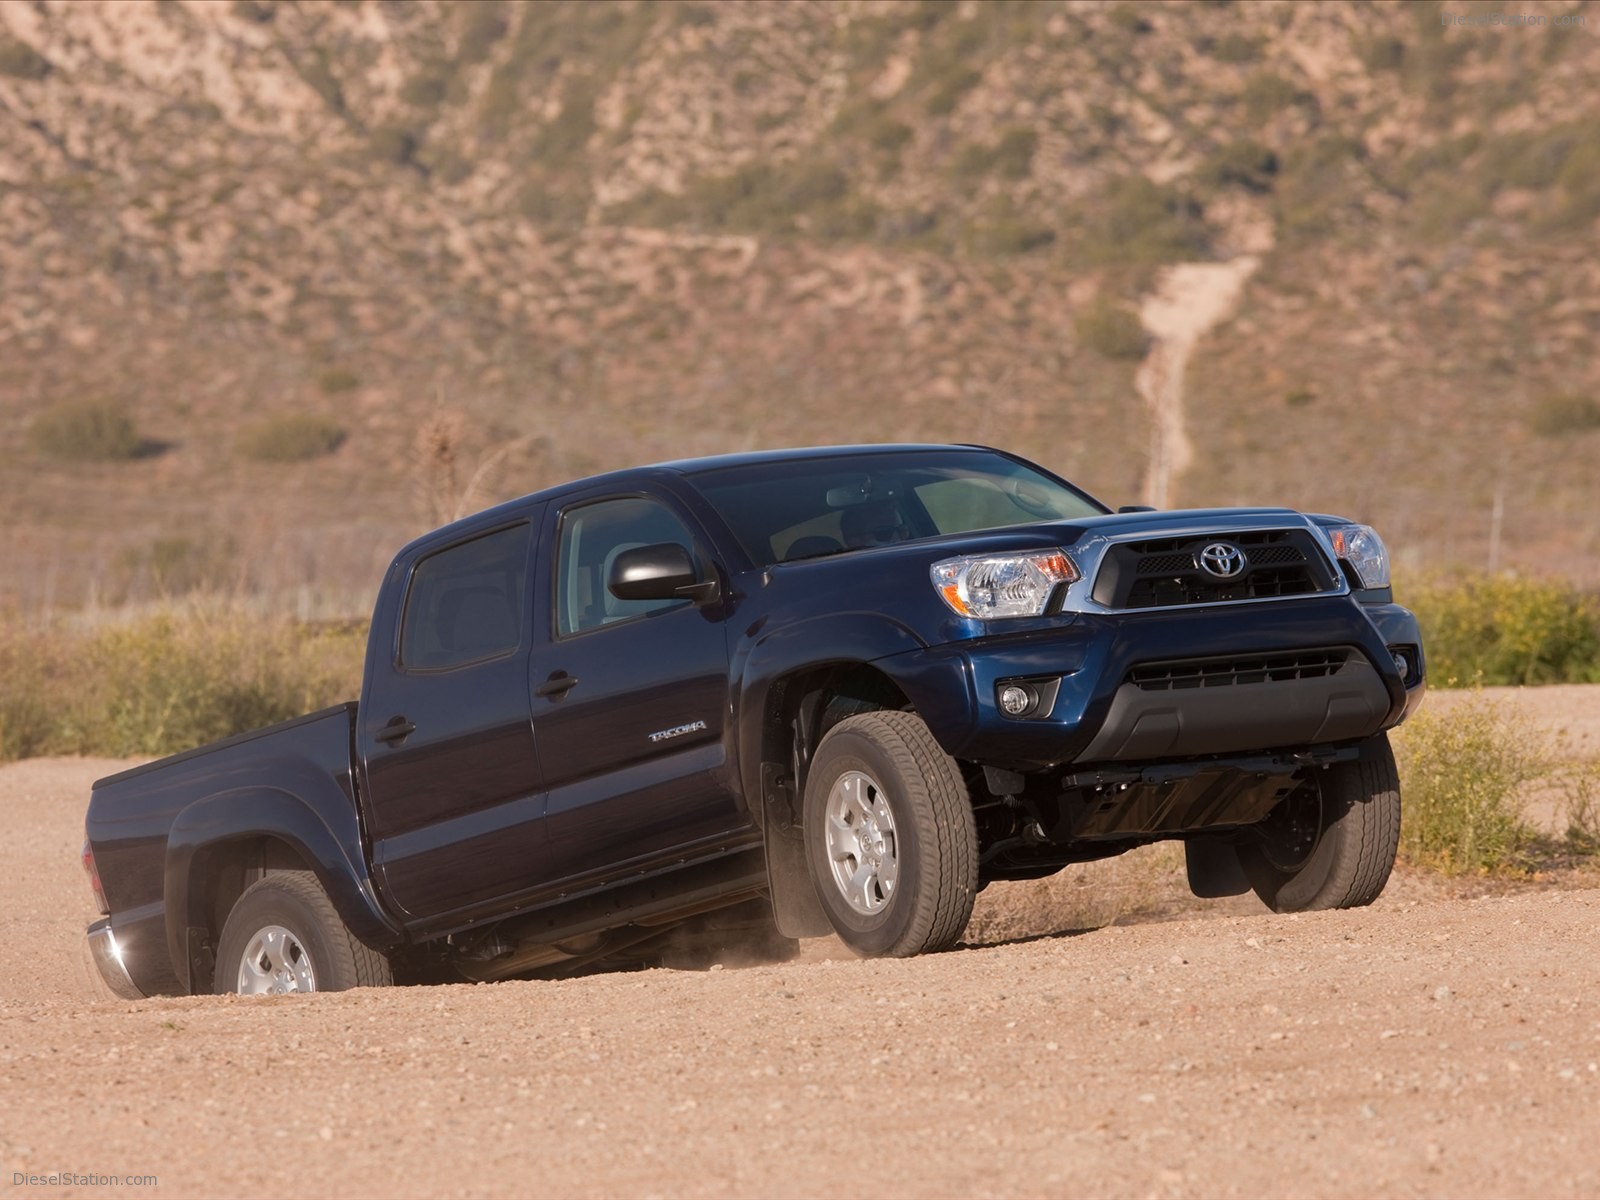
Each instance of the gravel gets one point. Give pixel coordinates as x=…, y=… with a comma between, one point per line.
x=1433, y=1044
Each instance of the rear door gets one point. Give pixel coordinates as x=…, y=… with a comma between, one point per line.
x=630, y=698
x=455, y=804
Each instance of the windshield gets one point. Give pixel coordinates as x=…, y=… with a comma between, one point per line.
x=785, y=511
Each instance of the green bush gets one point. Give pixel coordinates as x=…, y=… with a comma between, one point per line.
x=1140, y=223
x=1247, y=164
x=808, y=196
x=87, y=431
x=338, y=379
x=1265, y=95
x=485, y=24
x=1234, y=48
x=1319, y=180
x=1003, y=231
x=1461, y=777
x=21, y=61
x=1505, y=630
x=293, y=437
x=1381, y=53
x=1564, y=414
x=164, y=683
x=1112, y=330
x=944, y=94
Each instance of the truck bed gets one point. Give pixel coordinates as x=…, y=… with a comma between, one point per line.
x=140, y=819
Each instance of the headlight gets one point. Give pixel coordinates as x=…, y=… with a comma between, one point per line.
x=1362, y=548
x=1002, y=585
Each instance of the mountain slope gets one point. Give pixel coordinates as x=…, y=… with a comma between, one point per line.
x=547, y=239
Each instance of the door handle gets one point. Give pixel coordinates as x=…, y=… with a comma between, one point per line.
x=397, y=730
x=556, y=685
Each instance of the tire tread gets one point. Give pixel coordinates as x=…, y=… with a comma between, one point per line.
x=945, y=827
x=360, y=964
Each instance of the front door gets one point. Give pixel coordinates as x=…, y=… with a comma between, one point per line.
x=630, y=703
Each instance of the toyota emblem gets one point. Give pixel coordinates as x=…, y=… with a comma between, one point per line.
x=1222, y=560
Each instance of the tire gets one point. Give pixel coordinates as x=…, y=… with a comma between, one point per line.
x=890, y=838
x=284, y=935
x=1332, y=843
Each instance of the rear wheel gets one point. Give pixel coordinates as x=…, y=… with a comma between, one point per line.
x=284, y=935
x=1332, y=843
x=890, y=837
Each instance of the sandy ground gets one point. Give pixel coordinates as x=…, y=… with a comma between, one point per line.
x=1444, y=1042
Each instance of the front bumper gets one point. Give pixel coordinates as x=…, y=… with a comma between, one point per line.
x=107, y=955
x=1092, y=715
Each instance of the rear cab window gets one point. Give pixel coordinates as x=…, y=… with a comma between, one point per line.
x=467, y=603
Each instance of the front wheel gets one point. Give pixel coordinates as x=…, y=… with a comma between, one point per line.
x=284, y=935
x=1332, y=843
x=890, y=837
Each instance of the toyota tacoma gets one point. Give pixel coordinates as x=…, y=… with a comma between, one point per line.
x=643, y=716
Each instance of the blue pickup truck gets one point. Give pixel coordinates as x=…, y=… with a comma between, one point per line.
x=770, y=696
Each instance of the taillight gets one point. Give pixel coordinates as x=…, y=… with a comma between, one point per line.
x=94, y=879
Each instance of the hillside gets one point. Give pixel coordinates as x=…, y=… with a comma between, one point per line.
x=492, y=246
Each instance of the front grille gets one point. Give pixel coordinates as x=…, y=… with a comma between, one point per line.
x=1230, y=672
x=1164, y=572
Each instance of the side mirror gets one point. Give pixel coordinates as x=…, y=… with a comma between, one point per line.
x=660, y=572
x=1129, y=508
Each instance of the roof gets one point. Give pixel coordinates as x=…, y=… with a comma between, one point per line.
x=682, y=466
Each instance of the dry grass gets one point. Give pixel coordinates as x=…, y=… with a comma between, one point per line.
x=165, y=681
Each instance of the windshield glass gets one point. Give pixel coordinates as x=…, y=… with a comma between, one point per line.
x=785, y=511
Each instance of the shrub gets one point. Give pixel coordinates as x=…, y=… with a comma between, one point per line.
x=1011, y=157
x=1003, y=231
x=1461, y=776
x=1140, y=223
x=1129, y=19
x=87, y=431
x=1112, y=330
x=1235, y=48
x=256, y=12
x=338, y=379
x=1013, y=154
x=1265, y=95
x=394, y=144
x=1247, y=164
x=1581, y=785
x=1318, y=180
x=1563, y=415
x=485, y=24
x=1504, y=630
x=163, y=683
x=294, y=437
x=946, y=93
x=21, y=61
x=1382, y=53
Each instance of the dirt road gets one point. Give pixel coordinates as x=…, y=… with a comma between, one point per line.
x=1426, y=1046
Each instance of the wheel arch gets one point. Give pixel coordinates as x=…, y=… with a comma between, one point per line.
x=212, y=857
x=798, y=710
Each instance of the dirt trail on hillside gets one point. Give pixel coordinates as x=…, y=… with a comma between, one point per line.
x=1425, y=1046
x=1190, y=299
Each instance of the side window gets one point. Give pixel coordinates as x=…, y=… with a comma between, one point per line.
x=466, y=603
x=591, y=538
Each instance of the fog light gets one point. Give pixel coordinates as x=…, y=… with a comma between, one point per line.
x=1402, y=665
x=1016, y=700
